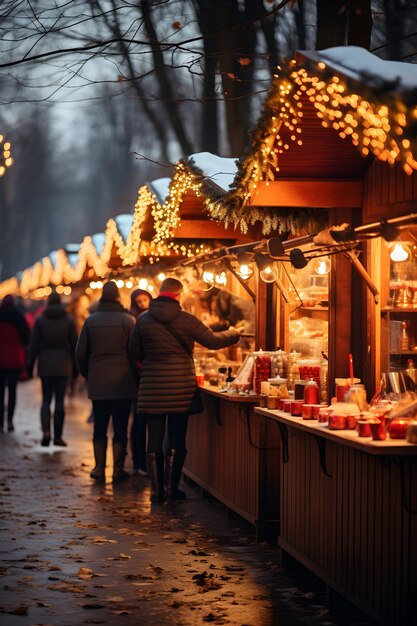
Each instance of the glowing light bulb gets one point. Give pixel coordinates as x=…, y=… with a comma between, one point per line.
x=245, y=271
x=161, y=276
x=143, y=283
x=399, y=253
x=221, y=279
x=120, y=283
x=268, y=274
x=322, y=266
x=129, y=284
x=208, y=277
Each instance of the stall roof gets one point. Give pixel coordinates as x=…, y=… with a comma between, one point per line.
x=327, y=114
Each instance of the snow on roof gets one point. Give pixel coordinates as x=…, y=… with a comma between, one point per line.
x=99, y=241
x=360, y=64
x=124, y=224
x=160, y=187
x=220, y=170
x=72, y=258
x=52, y=255
x=72, y=248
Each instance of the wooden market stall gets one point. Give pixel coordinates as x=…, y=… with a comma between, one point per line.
x=337, y=133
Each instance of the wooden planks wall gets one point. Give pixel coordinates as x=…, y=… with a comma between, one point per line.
x=388, y=192
x=222, y=461
x=353, y=529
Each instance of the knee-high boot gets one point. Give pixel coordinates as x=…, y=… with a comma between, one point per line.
x=46, y=424
x=100, y=449
x=119, y=456
x=155, y=464
x=173, y=470
x=59, y=415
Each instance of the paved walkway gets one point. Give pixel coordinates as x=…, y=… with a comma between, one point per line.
x=74, y=552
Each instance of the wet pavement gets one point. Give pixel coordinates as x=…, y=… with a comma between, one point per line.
x=74, y=552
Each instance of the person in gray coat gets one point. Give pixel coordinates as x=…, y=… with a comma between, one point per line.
x=103, y=359
x=53, y=343
x=163, y=340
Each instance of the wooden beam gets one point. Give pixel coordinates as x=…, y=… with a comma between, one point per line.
x=319, y=194
x=204, y=229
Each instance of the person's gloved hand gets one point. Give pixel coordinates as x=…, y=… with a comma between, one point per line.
x=239, y=328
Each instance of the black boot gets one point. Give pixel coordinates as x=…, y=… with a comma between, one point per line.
x=100, y=449
x=155, y=464
x=173, y=470
x=58, y=426
x=46, y=425
x=119, y=456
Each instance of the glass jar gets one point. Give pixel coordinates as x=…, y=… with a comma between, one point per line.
x=357, y=395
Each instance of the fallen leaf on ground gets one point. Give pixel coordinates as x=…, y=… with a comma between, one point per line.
x=85, y=574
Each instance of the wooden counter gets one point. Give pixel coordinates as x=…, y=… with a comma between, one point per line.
x=349, y=514
x=233, y=454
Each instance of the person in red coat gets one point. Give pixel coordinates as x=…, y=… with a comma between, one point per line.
x=14, y=336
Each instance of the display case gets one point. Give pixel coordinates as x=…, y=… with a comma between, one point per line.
x=304, y=322
x=398, y=328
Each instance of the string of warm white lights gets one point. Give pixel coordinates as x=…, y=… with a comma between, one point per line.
x=166, y=219
x=380, y=122
x=6, y=159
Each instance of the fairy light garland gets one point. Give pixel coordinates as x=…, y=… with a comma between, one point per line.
x=6, y=159
x=375, y=121
x=166, y=219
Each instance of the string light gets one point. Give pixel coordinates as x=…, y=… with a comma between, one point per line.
x=6, y=159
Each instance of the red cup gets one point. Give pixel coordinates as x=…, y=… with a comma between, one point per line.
x=286, y=406
x=364, y=428
x=351, y=422
x=337, y=421
x=316, y=410
x=378, y=430
x=324, y=415
x=200, y=380
x=297, y=407
x=281, y=404
x=307, y=411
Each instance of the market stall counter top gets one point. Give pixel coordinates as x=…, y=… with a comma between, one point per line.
x=233, y=455
x=345, y=437
x=231, y=396
x=348, y=512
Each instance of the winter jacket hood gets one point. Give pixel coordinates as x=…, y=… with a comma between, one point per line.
x=107, y=306
x=54, y=311
x=164, y=309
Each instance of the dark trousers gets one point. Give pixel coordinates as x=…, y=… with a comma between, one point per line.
x=8, y=378
x=177, y=430
x=53, y=387
x=138, y=440
x=119, y=411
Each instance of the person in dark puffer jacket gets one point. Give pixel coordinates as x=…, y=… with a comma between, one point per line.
x=52, y=343
x=14, y=336
x=103, y=359
x=168, y=381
